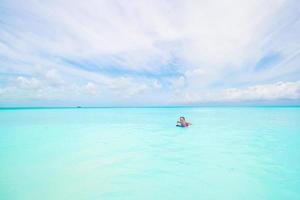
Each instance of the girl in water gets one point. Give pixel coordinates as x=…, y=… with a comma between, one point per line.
x=183, y=123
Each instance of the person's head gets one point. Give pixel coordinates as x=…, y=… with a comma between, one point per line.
x=182, y=119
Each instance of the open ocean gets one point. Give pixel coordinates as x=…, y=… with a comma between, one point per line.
x=229, y=153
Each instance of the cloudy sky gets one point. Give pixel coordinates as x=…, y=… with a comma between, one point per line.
x=139, y=52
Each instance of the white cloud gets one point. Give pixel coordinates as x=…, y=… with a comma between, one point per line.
x=53, y=77
x=52, y=88
x=280, y=90
x=28, y=83
x=208, y=45
x=137, y=90
x=265, y=92
x=91, y=88
x=156, y=84
x=177, y=83
x=208, y=32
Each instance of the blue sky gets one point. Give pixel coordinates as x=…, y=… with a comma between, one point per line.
x=100, y=53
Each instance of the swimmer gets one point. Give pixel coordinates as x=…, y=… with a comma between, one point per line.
x=183, y=123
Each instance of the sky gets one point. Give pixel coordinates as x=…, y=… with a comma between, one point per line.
x=149, y=52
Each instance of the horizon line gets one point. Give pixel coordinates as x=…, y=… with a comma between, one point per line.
x=157, y=106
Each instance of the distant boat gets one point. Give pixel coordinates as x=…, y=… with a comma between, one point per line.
x=78, y=106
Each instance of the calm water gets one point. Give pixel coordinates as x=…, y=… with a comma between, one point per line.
x=138, y=154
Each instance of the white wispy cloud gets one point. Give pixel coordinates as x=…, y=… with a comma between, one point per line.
x=265, y=92
x=120, y=50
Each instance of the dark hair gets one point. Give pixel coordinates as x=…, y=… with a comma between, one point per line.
x=183, y=118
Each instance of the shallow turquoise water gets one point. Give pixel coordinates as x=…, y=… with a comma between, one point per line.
x=139, y=154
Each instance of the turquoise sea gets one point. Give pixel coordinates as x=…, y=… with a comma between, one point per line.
x=229, y=153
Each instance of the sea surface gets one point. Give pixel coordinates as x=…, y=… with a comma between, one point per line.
x=229, y=153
